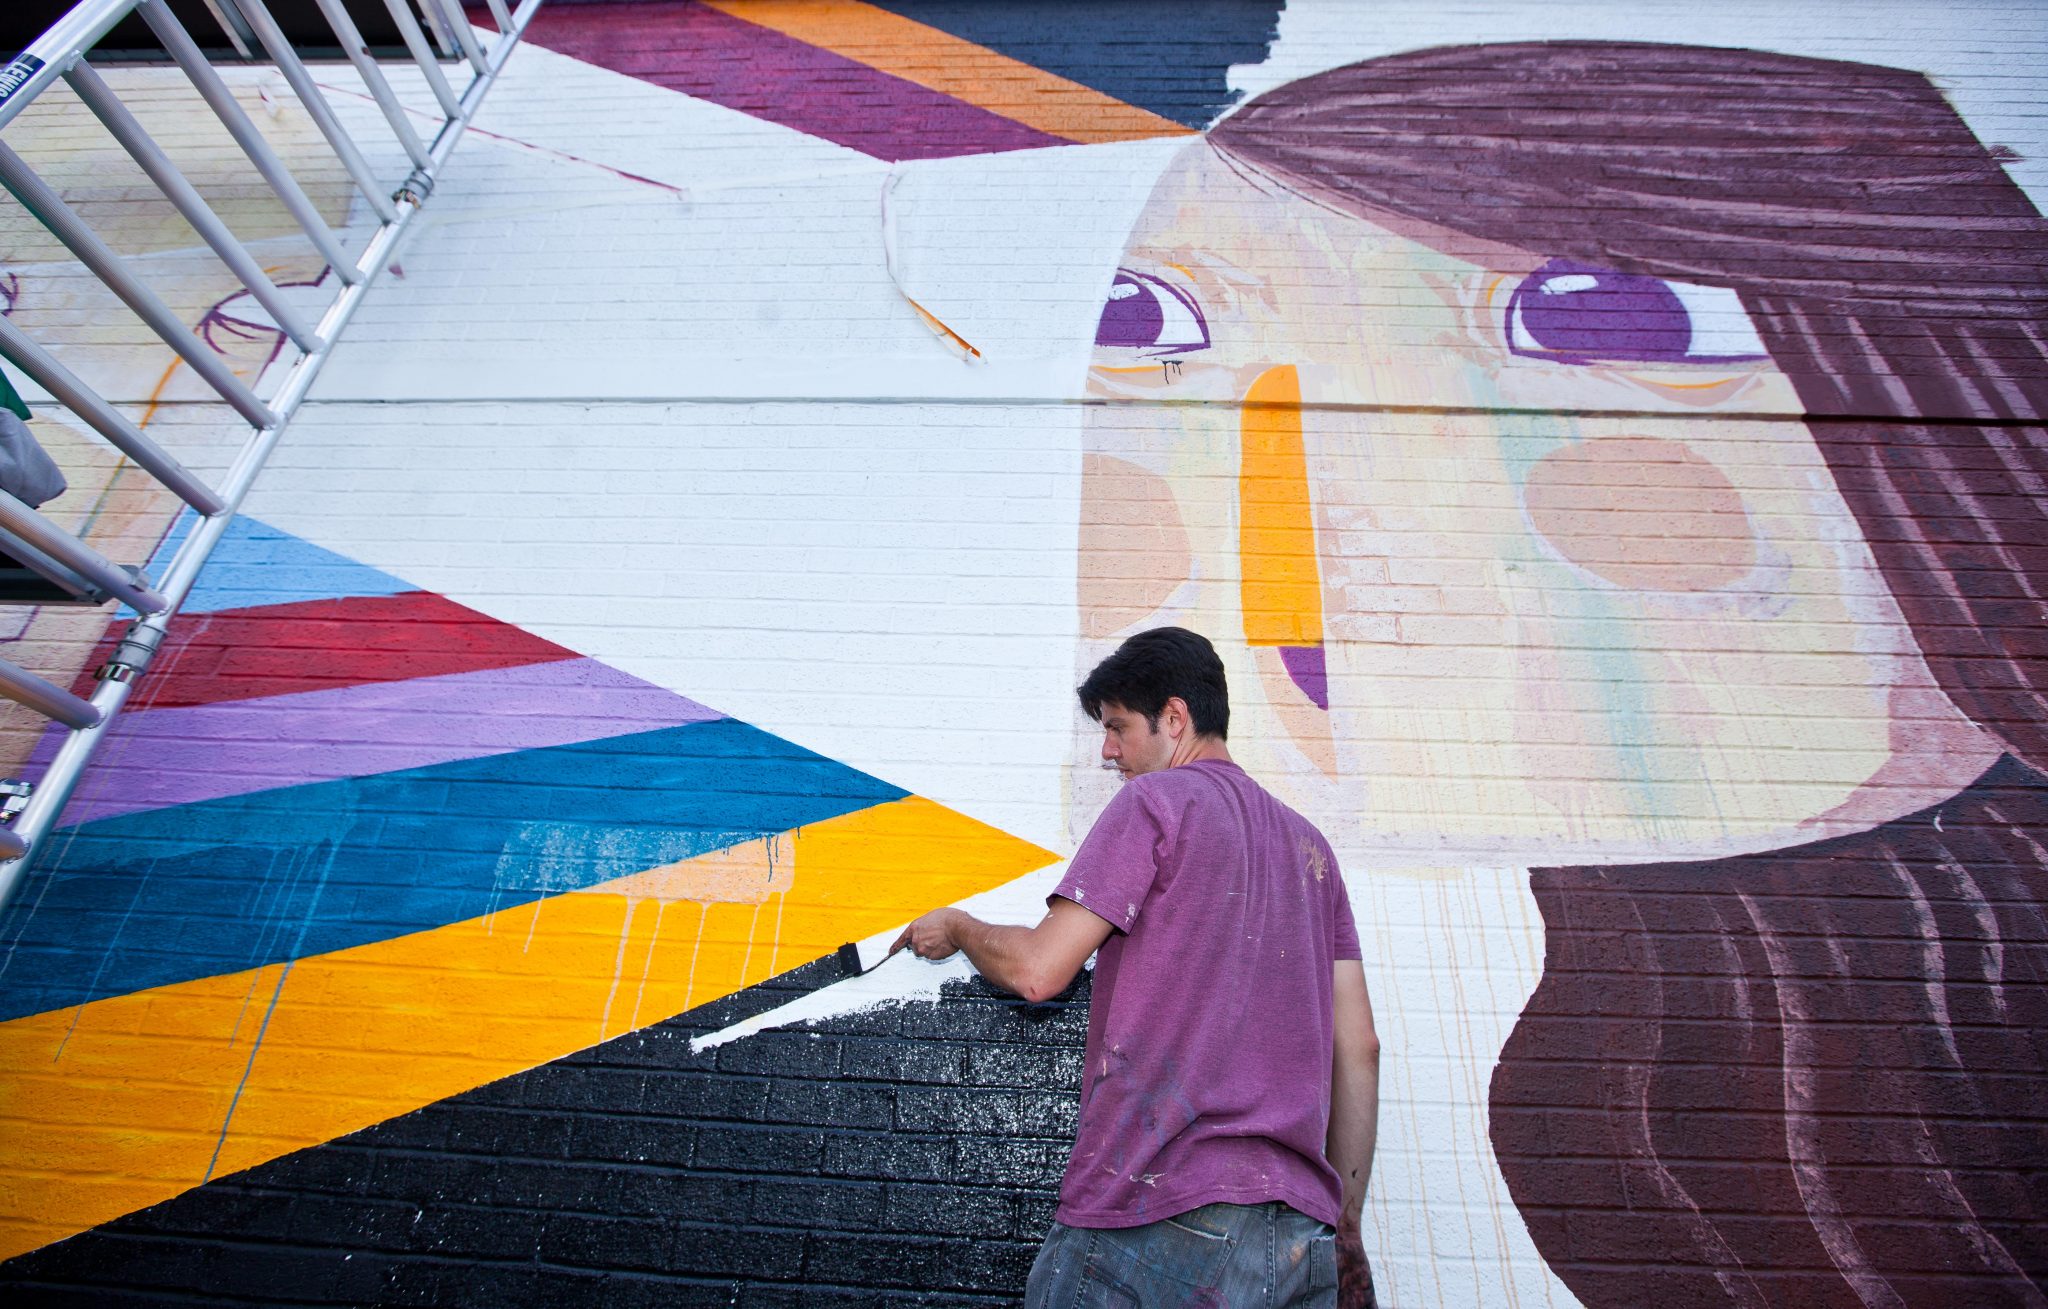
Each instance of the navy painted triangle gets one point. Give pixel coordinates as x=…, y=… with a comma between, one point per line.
x=1172, y=57
x=169, y=895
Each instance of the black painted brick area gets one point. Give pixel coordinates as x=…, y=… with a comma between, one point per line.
x=907, y=1155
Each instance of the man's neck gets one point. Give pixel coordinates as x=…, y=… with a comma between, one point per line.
x=1196, y=749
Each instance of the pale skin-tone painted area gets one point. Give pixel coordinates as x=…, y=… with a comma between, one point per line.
x=1039, y=962
x=1549, y=638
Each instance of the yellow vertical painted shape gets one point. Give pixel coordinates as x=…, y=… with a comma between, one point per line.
x=1280, y=583
x=127, y=1101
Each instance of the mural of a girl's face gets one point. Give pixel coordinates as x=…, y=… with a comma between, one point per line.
x=1511, y=559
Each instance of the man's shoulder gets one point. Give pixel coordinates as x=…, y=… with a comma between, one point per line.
x=1297, y=827
x=1212, y=778
x=1202, y=787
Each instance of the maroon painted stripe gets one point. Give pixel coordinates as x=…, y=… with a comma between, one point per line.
x=320, y=645
x=699, y=51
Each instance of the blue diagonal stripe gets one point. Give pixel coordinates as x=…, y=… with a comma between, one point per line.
x=196, y=890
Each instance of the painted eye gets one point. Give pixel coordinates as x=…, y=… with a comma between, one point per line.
x=1148, y=313
x=1577, y=314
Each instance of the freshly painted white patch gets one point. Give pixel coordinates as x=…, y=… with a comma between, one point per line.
x=891, y=586
x=904, y=976
x=763, y=278
x=556, y=103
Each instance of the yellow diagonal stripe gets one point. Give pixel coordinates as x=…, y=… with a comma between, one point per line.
x=108, y=1107
x=942, y=62
x=1280, y=582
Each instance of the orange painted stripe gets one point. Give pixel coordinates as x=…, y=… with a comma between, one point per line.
x=941, y=62
x=1279, y=580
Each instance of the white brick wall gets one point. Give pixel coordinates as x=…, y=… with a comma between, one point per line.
x=645, y=388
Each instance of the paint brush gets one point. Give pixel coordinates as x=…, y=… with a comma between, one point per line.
x=859, y=958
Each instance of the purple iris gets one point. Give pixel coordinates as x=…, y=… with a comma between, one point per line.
x=1579, y=312
x=1147, y=313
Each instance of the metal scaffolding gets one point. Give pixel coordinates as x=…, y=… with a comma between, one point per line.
x=58, y=555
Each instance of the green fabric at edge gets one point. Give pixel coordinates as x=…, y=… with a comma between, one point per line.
x=9, y=399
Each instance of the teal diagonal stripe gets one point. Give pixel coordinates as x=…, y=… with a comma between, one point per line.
x=168, y=895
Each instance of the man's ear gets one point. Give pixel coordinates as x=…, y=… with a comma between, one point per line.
x=1178, y=720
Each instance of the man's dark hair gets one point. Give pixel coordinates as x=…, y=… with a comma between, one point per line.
x=1153, y=667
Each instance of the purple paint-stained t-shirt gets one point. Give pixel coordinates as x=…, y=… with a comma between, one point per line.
x=1209, y=1036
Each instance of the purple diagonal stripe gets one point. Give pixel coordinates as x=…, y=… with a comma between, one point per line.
x=161, y=757
x=763, y=73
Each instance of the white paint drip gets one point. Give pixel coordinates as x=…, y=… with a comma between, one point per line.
x=618, y=970
x=647, y=964
x=690, y=984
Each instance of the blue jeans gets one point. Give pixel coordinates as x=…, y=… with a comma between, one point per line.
x=1222, y=1255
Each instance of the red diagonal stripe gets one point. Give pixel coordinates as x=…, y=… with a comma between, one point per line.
x=318, y=645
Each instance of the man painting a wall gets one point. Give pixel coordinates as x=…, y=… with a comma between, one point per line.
x=1610, y=475
x=1231, y=1086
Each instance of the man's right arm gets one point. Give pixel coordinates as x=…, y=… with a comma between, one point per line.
x=1354, y=1119
x=1036, y=963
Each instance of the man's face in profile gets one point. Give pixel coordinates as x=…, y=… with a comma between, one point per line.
x=1131, y=743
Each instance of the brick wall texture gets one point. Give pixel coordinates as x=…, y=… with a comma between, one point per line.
x=910, y=1154
x=1605, y=443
